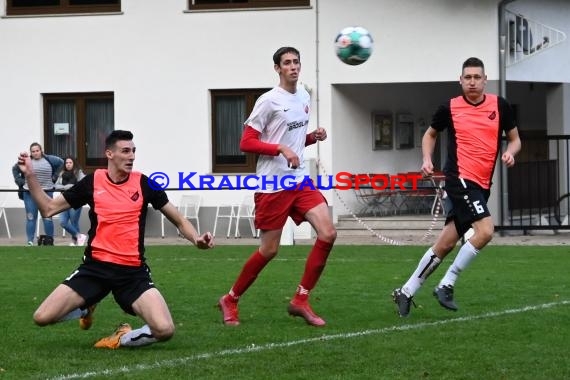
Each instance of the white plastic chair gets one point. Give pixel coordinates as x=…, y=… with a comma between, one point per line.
x=189, y=207
x=55, y=220
x=225, y=211
x=162, y=217
x=246, y=210
x=4, y=199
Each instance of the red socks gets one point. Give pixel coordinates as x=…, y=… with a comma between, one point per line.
x=249, y=272
x=313, y=268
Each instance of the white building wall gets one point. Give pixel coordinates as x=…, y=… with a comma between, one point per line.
x=161, y=62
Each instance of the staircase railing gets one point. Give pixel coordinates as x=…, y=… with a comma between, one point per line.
x=526, y=37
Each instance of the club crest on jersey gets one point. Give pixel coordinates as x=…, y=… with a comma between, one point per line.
x=135, y=196
x=493, y=115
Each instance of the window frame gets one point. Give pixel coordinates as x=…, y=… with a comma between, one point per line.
x=248, y=4
x=63, y=8
x=79, y=98
x=251, y=96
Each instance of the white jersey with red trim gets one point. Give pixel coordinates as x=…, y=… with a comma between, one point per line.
x=282, y=118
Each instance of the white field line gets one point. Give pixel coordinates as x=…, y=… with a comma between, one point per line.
x=271, y=346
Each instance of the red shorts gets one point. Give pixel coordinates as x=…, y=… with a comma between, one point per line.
x=272, y=209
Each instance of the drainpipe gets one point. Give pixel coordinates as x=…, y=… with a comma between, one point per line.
x=502, y=48
x=318, y=93
x=503, y=92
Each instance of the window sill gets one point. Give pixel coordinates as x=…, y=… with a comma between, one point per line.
x=64, y=15
x=244, y=9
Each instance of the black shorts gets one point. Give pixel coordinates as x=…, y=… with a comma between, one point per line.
x=93, y=280
x=467, y=203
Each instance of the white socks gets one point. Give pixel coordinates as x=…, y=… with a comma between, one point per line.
x=466, y=254
x=428, y=263
x=138, y=337
x=74, y=314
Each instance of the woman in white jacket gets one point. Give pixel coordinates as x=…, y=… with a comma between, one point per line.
x=69, y=219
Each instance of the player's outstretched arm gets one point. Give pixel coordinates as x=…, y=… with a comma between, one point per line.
x=47, y=206
x=204, y=241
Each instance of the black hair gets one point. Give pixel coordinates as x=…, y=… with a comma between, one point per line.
x=284, y=50
x=69, y=176
x=117, y=135
x=473, y=62
x=75, y=165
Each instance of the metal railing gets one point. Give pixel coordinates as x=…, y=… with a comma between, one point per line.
x=536, y=192
x=526, y=37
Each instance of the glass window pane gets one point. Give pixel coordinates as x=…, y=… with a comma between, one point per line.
x=62, y=112
x=230, y=115
x=32, y=7
x=99, y=122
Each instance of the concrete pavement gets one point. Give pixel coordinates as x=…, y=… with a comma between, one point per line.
x=380, y=238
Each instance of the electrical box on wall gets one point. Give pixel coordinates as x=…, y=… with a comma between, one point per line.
x=405, y=131
x=61, y=128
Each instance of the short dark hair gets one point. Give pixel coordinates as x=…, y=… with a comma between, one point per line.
x=117, y=135
x=473, y=62
x=284, y=50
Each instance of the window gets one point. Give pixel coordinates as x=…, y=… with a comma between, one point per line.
x=40, y=7
x=77, y=124
x=230, y=108
x=233, y=4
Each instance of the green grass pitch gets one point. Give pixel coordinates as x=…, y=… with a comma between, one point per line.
x=512, y=321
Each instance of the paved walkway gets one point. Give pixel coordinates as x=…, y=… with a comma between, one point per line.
x=539, y=238
x=418, y=239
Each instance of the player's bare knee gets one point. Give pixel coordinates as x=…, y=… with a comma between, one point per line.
x=328, y=235
x=163, y=332
x=269, y=251
x=485, y=233
x=486, y=237
x=442, y=249
x=41, y=319
x=446, y=248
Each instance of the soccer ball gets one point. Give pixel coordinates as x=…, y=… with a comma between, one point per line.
x=353, y=45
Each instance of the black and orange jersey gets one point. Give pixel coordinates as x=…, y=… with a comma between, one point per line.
x=117, y=215
x=474, y=136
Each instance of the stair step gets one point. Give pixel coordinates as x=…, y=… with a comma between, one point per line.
x=403, y=223
x=392, y=234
